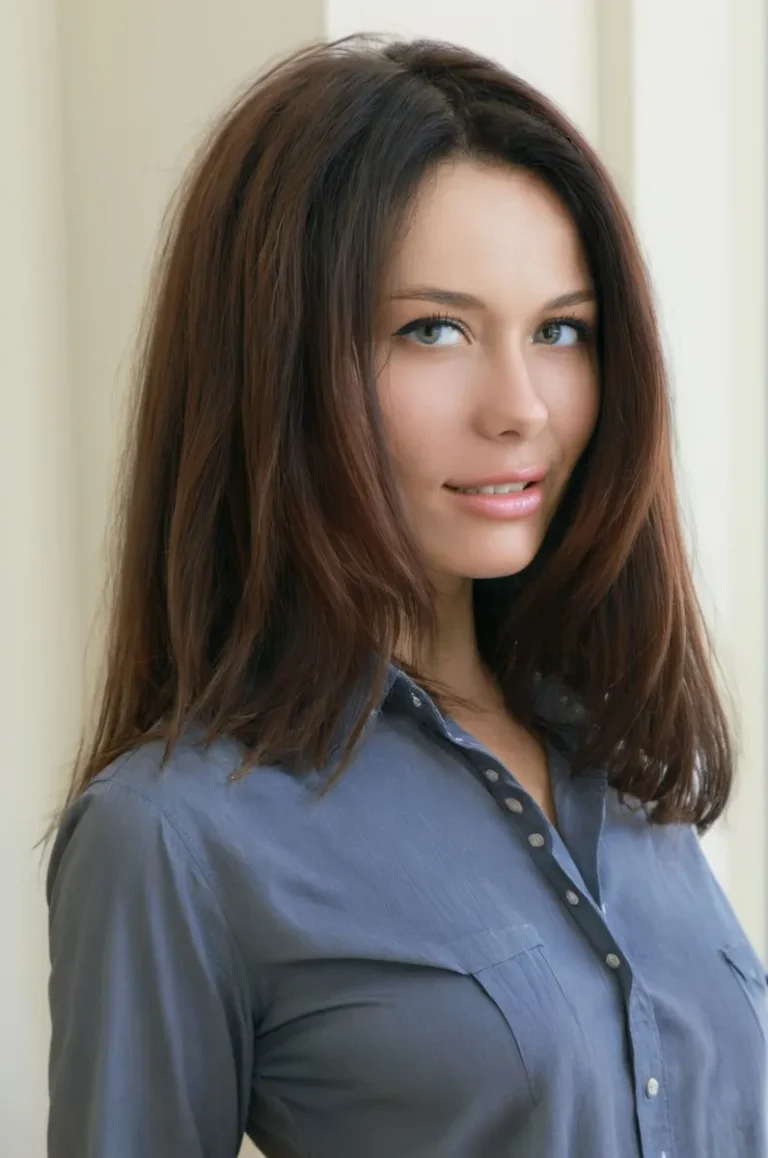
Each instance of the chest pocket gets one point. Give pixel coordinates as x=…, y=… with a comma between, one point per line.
x=750, y=974
x=511, y=967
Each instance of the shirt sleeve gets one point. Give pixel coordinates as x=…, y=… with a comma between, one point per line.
x=152, y=1028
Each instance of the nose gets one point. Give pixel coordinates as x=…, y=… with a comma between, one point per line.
x=509, y=403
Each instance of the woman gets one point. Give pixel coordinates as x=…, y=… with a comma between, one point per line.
x=387, y=841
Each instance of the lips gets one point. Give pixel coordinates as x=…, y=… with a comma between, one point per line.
x=493, y=484
x=502, y=489
x=505, y=501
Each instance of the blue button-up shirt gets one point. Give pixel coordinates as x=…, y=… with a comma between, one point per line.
x=415, y=964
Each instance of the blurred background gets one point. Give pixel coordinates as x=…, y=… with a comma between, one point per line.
x=101, y=106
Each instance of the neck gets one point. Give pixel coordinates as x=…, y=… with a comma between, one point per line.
x=455, y=661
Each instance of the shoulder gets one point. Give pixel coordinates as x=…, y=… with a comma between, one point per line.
x=192, y=773
x=195, y=792
x=135, y=800
x=181, y=828
x=134, y=823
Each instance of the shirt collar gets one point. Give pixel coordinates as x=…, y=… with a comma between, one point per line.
x=556, y=705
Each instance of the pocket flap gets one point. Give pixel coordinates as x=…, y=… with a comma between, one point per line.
x=492, y=946
x=743, y=957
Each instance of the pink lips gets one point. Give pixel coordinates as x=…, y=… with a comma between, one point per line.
x=534, y=474
x=513, y=505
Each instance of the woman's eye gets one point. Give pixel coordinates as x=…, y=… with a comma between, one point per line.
x=433, y=332
x=443, y=331
x=564, y=333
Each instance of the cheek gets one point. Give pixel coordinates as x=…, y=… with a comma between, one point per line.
x=420, y=417
x=573, y=415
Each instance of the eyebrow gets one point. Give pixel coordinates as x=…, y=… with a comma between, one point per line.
x=464, y=301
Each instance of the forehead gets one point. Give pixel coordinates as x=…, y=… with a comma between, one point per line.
x=490, y=229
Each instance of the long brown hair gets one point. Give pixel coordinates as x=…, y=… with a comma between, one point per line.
x=263, y=559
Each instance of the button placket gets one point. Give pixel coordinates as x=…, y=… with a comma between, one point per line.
x=514, y=805
x=585, y=915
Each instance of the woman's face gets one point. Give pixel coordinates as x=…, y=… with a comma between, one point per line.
x=486, y=378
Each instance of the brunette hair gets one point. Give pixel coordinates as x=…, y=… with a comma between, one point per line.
x=264, y=572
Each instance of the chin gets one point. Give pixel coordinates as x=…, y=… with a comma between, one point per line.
x=489, y=563
x=487, y=550
x=495, y=571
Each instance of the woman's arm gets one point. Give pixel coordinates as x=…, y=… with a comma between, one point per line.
x=151, y=1052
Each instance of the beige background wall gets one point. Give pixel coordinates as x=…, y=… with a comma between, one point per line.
x=101, y=106
x=39, y=580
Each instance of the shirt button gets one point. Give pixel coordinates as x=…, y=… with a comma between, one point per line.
x=571, y=897
x=652, y=1088
x=612, y=961
x=492, y=775
x=513, y=805
x=416, y=701
x=536, y=839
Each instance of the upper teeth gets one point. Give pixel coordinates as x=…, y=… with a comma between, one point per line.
x=504, y=489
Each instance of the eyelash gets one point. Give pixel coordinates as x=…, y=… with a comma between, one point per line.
x=583, y=329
